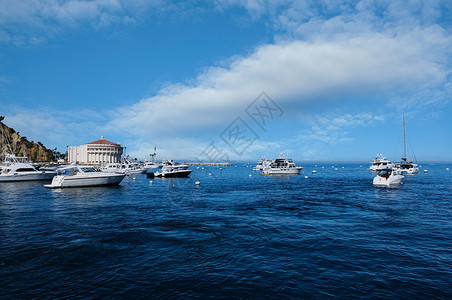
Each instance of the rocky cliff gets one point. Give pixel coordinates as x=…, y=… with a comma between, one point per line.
x=20, y=146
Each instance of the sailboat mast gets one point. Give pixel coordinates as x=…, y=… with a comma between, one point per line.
x=404, y=138
x=2, y=157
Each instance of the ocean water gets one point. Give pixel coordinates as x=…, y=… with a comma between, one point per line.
x=332, y=235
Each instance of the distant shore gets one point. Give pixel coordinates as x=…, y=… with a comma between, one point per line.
x=217, y=164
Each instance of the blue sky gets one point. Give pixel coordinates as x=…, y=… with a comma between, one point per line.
x=337, y=76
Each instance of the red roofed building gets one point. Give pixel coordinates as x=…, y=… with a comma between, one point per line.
x=97, y=152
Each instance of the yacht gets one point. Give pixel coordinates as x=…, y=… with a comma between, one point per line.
x=405, y=166
x=19, y=168
x=83, y=176
x=380, y=163
x=171, y=169
x=281, y=165
x=125, y=167
x=388, y=177
x=261, y=163
x=130, y=168
x=110, y=167
x=149, y=165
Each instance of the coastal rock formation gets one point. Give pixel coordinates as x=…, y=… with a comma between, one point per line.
x=21, y=146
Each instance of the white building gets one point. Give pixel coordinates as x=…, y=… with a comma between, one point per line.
x=97, y=152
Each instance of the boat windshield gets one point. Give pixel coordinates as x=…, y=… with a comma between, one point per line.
x=385, y=173
x=88, y=169
x=25, y=170
x=68, y=171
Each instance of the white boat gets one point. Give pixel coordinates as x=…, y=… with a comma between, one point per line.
x=110, y=167
x=388, y=177
x=149, y=165
x=125, y=167
x=130, y=168
x=405, y=166
x=171, y=169
x=280, y=166
x=380, y=163
x=83, y=176
x=19, y=168
x=260, y=163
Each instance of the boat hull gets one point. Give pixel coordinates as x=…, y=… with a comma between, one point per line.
x=29, y=176
x=85, y=181
x=180, y=173
x=134, y=172
x=410, y=171
x=280, y=171
x=390, y=181
x=379, y=168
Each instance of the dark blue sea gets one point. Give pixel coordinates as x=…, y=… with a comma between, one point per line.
x=332, y=235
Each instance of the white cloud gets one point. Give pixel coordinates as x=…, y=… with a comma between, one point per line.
x=333, y=129
x=34, y=21
x=291, y=15
x=54, y=128
x=293, y=74
x=371, y=66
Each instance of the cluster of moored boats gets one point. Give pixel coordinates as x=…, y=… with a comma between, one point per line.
x=389, y=173
x=15, y=168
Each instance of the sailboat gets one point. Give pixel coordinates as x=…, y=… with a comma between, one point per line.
x=405, y=166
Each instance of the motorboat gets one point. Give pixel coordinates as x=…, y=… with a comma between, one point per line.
x=388, y=177
x=280, y=166
x=130, y=168
x=19, y=168
x=149, y=165
x=125, y=167
x=171, y=169
x=260, y=163
x=110, y=167
x=83, y=176
x=405, y=166
x=380, y=163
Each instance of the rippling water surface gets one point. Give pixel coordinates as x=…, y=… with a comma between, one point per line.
x=234, y=236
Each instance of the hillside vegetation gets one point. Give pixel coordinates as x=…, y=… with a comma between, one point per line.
x=21, y=146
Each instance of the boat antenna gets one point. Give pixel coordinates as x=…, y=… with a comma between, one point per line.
x=404, y=138
x=3, y=150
